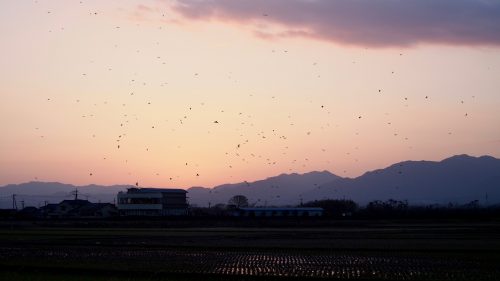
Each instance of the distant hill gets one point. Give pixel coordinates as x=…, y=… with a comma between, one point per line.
x=458, y=179
x=285, y=189
x=36, y=193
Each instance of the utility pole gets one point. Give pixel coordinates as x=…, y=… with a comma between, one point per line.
x=76, y=194
x=14, y=203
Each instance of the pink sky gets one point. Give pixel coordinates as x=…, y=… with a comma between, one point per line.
x=291, y=89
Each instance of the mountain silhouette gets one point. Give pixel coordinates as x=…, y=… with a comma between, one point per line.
x=458, y=179
x=285, y=189
x=38, y=193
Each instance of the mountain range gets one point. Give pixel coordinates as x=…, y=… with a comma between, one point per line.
x=458, y=179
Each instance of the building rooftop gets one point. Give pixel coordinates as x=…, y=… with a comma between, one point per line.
x=155, y=190
x=282, y=209
x=75, y=202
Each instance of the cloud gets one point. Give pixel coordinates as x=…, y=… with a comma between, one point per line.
x=374, y=23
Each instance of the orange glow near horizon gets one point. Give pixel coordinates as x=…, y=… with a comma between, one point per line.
x=97, y=93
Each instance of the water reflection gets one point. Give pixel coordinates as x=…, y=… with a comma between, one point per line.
x=317, y=264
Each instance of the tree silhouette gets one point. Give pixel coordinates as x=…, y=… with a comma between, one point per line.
x=334, y=207
x=238, y=201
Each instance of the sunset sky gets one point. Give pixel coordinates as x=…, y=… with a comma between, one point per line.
x=200, y=93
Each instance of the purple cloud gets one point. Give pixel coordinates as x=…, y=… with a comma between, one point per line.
x=375, y=23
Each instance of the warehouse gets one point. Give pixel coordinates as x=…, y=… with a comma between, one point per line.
x=152, y=202
x=278, y=212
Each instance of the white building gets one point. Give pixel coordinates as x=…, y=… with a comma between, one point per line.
x=152, y=202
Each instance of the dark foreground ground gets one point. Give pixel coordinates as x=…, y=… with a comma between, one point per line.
x=418, y=250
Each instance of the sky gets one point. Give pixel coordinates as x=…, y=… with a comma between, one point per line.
x=200, y=93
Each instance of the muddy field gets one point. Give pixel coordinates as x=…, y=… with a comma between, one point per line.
x=381, y=251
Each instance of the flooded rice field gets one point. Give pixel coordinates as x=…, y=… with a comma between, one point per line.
x=379, y=251
x=283, y=263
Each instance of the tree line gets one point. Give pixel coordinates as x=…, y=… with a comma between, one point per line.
x=391, y=208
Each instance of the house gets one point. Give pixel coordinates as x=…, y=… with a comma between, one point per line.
x=28, y=213
x=7, y=213
x=78, y=209
x=97, y=210
x=70, y=208
x=153, y=202
x=49, y=211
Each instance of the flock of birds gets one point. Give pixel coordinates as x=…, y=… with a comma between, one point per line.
x=246, y=132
